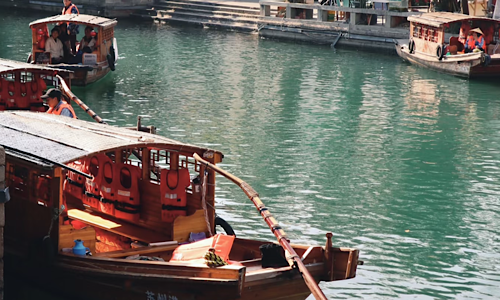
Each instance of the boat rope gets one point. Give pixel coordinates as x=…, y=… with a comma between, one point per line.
x=204, y=201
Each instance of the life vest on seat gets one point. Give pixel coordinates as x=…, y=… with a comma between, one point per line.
x=12, y=92
x=126, y=183
x=3, y=94
x=92, y=186
x=108, y=188
x=42, y=192
x=17, y=179
x=75, y=183
x=59, y=109
x=464, y=30
x=22, y=100
x=40, y=39
x=173, y=184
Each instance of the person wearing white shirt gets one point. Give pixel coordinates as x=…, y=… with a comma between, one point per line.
x=54, y=46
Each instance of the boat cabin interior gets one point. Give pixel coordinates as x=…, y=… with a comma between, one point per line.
x=22, y=84
x=125, y=194
x=86, y=39
x=442, y=33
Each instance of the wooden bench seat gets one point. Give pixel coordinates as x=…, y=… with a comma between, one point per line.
x=112, y=225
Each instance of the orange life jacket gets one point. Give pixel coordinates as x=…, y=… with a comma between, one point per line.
x=173, y=184
x=70, y=8
x=60, y=107
x=108, y=191
x=92, y=186
x=471, y=44
x=481, y=39
x=74, y=183
x=17, y=178
x=22, y=100
x=127, y=205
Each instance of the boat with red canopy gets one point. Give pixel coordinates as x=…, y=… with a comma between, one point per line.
x=143, y=206
x=22, y=84
x=93, y=65
x=437, y=40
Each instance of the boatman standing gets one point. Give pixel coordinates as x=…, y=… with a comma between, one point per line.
x=57, y=105
x=68, y=9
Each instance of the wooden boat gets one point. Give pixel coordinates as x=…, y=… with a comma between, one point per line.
x=430, y=41
x=94, y=65
x=54, y=165
x=22, y=84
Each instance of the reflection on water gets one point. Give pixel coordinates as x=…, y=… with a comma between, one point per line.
x=396, y=160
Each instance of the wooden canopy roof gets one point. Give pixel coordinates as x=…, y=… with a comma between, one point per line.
x=9, y=66
x=78, y=19
x=61, y=139
x=436, y=19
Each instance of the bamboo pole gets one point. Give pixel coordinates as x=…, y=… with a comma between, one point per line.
x=293, y=259
x=66, y=90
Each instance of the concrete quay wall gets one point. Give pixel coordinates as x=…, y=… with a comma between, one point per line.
x=105, y=8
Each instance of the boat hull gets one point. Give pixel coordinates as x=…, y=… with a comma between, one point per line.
x=105, y=279
x=469, y=66
x=85, y=75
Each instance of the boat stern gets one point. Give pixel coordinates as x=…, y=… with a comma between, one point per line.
x=340, y=263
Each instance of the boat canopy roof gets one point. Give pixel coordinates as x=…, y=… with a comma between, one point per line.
x=436, y=19
x=61, y=139
x=9, y=66
x=77, y=19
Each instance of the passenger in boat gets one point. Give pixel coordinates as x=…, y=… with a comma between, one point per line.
x=57, y=105
x=65, y=39
x=479, y=42
x=469, y=43
x=54, y=46
x=73, y=29
x=87, y=44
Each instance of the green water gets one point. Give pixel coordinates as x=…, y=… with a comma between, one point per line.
x=398, y=161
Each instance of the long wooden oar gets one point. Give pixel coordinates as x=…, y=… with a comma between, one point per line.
x=65, y=89
x=293, y=258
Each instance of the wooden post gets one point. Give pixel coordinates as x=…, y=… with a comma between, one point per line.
x=145, y=164
x=2, y=217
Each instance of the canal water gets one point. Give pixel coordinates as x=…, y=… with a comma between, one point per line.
x=398, y=161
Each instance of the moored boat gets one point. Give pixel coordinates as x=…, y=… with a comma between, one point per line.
x=88, y=66
x=130, y=198
x=22, y=84
x=436, y=42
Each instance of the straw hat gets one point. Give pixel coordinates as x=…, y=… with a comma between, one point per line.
x=477, y=30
